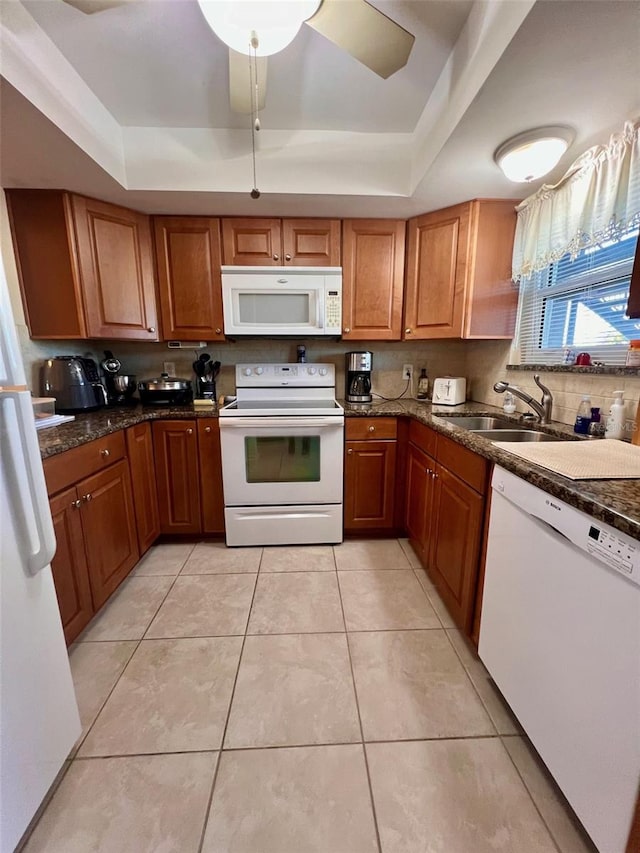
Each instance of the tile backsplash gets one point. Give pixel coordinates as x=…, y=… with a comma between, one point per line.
x=486, y=363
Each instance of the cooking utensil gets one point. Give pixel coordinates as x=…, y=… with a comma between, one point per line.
x=166, y=390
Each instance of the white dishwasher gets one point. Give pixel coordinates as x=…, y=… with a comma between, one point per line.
x=560, y=635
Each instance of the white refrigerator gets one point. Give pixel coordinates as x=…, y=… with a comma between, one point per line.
x=39, y=721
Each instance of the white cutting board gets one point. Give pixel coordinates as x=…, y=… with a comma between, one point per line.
x=604, y=459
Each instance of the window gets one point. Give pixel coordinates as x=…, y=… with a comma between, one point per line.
x=580, y=304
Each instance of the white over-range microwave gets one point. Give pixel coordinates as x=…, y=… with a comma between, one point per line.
x=300, y=301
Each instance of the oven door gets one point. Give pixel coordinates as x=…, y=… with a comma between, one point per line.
x=269, y=461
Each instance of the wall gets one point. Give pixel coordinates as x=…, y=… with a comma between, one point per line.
x=486, y=363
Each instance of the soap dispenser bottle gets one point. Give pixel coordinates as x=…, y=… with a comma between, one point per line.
x=616, y=420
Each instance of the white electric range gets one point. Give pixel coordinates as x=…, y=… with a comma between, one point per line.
x=282, y=456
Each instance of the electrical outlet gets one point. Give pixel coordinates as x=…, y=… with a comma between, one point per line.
x=407, y=372
x=169, y=367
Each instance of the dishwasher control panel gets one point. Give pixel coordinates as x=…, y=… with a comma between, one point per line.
x=604, y=543
x=615, y=549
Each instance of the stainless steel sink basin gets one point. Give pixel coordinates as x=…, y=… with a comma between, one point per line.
x=474, y=422
x=515, y=435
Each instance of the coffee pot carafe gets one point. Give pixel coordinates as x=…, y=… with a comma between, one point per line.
x=358, y=377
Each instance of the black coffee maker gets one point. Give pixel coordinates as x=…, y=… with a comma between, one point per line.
x=120, y=386
x=358, y=377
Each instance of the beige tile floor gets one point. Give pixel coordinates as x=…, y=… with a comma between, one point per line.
x=293, y=700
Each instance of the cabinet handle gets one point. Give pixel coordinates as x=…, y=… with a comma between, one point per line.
x=76, y=504
x=407, y=331
x=218, y=331
x=287, y=257
x=151, y=329
x=189, y=431
x=346, y=331
x=372, y=428
x=350, y=451
x=207, y=429
x=428, y=471
x=434, y=475
x=276, y=257
x=88, y=497
x=104, y=453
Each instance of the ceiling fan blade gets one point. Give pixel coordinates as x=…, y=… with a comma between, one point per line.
x=367, y=34
x=89, y=7
x=240, y=85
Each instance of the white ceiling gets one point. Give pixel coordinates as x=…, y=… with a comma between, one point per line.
x=132, y=105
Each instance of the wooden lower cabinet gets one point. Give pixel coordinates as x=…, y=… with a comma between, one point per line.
x=108, y=525
x=211, y=495
x=370, y=471
x=456, y=528
x=143, y=482
x=370, y=474
x=444, y=517
x=175, y=446
x=69, y=565
x=419, y=500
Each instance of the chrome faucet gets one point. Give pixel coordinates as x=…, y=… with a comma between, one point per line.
x=542, y=409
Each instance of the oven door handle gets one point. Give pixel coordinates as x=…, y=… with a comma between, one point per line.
x=286, y=423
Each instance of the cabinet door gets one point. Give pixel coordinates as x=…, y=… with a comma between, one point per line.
x=311, y=242
x=458, y=513
x=188, y=258
x=372, y=279
x=108, y=527
x=369, y=485
x=143, y=483
x=175, y=446
x=211, y=494
x=419, y=500
x=252, y=242
x=42, y=229
x=437, y=268
x=116, y=270
x=69, y=566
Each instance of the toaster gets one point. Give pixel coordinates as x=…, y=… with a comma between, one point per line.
x=449, y=390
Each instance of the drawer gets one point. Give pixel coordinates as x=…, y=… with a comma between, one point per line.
x=361, y=429
x=74, y=465
x=423, y=437
x=466, y=464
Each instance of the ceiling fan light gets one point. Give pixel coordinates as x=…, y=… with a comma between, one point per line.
x=528, y=156
x=275, y=22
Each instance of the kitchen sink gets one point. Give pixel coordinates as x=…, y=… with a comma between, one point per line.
x=516, y=435
x=474, y=422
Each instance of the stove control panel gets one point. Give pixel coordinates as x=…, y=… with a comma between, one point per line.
x=277, y=375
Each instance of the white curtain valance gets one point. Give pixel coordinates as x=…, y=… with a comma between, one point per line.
x=598, y=198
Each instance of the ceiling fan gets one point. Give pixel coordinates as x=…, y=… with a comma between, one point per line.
x=262, y=27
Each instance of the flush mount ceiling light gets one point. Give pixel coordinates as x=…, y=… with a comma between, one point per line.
x=532, y=154
x=274, y=22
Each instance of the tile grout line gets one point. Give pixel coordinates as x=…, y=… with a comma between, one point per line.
x=73, y=754
x=532, y=798
x=207, y=813
x=355, y=693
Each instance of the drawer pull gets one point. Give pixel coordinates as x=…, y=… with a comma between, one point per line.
x=76, y=504
x=88, y=497
x=105, y=453
x=287, y=257
x=189, y=431
x=207, y=429
x=407, y=331
x=151, y=329
x=346, y=331
x=350, y=451
x=218, y=331
x=372, y=429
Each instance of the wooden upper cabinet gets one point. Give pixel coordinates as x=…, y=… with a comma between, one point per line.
x=311, y=242
x=188, y=255
x=458, y=282
x=281, y=242
x=252, y=242
x=85, y=267
x=372, y=279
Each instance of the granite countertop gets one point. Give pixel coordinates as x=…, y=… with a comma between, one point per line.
x=615, y=502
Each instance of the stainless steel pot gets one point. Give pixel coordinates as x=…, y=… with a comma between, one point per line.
x=166, y=390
